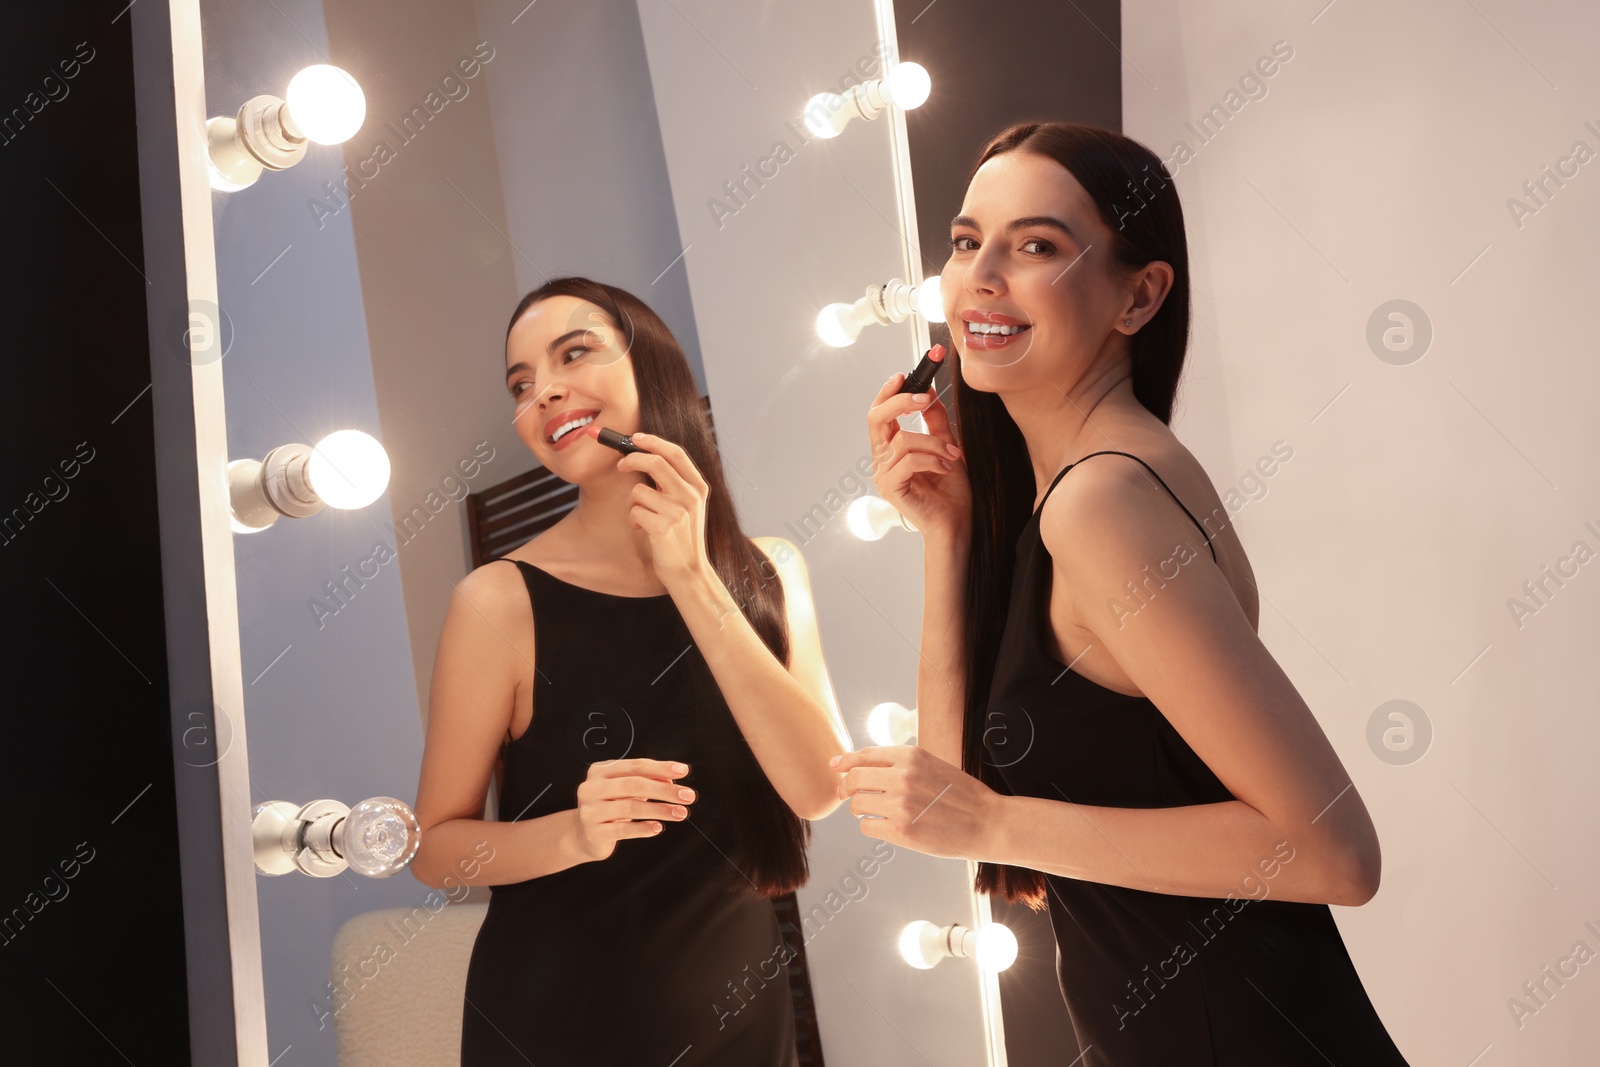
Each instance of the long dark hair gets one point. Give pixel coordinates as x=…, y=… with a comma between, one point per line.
x=1135, y=196
x=770, y=840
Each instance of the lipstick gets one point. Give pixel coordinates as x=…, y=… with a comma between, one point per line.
x=611, y=438
x=921, y=379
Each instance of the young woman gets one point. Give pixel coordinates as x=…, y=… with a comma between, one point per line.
x=1110, y=740
x=661, y=720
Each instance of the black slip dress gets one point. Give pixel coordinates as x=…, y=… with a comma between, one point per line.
x=1153, y=979
x=646, y=958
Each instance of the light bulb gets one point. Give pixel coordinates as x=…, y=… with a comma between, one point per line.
x=326, y=104
x=908, y=85
x=826, y=114
x=870, y=517
x=379, y=836
x=891, y=724
x=348, y=469
x=921, y=944
x=930, y=301
x=996, y=947
x=836, y=325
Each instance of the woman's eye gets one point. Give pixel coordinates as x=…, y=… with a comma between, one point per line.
x=1045, y=248
x=569, y=352
x=957, y=246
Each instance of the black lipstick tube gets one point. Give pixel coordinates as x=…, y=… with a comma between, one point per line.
x=621, y=442
x=921, y=379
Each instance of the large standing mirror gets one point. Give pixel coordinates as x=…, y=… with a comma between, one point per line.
x=660, y=146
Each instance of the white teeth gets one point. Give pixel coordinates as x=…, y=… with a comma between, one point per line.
x=565, y=427
x=986, y=327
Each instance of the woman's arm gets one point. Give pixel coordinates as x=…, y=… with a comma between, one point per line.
x=487, y=632
x=1188, y=647
x=789, y=717
x=941, y=663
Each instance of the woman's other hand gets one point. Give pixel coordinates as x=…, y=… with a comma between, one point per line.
x=627, y=798
x=921, y=801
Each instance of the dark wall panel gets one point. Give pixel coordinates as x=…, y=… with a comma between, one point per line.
x=91, y=930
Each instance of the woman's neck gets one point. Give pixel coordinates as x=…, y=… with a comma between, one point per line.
x=1060, y=425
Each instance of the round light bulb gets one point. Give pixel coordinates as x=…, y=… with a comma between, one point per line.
x=326, y=104
x=348, y=469
x=908, y=85
x=891, y=724
x=870, y=517
x=379, y=836
x=930, y=301
x=833, y=326
x=919, y=944
x=996, y=947
x=825, y=115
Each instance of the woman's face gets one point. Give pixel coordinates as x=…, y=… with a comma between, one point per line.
x=1029, y=252
x=565, y=362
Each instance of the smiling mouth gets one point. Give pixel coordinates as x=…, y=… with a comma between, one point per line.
x=989, y=329
x=568, y=428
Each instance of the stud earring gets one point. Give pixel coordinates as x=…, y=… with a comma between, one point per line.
x=1127, y=322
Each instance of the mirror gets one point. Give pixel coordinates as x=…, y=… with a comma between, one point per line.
x=658, y=146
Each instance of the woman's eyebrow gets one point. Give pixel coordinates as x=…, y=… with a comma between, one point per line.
x=551, y=348
x=1018, y=224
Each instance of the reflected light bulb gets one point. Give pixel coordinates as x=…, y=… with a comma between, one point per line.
x=826, y=114
x=891, y=724
x=379, y=836
x=348, y=469
x=870, y=517
x=834, y=325
x=908, y=85
x=996, y=947
x=326, y=104
x=920, y=944
x=930, y=301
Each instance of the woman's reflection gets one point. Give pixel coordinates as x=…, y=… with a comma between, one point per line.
x=1110, y=740
x=661, y=719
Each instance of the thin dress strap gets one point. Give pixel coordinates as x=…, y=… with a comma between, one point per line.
x=1152, y=470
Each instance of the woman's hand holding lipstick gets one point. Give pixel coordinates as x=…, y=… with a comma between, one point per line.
x=924, y=475
x=673, y=512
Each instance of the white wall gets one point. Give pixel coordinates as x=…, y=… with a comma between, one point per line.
x=1378, y=166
